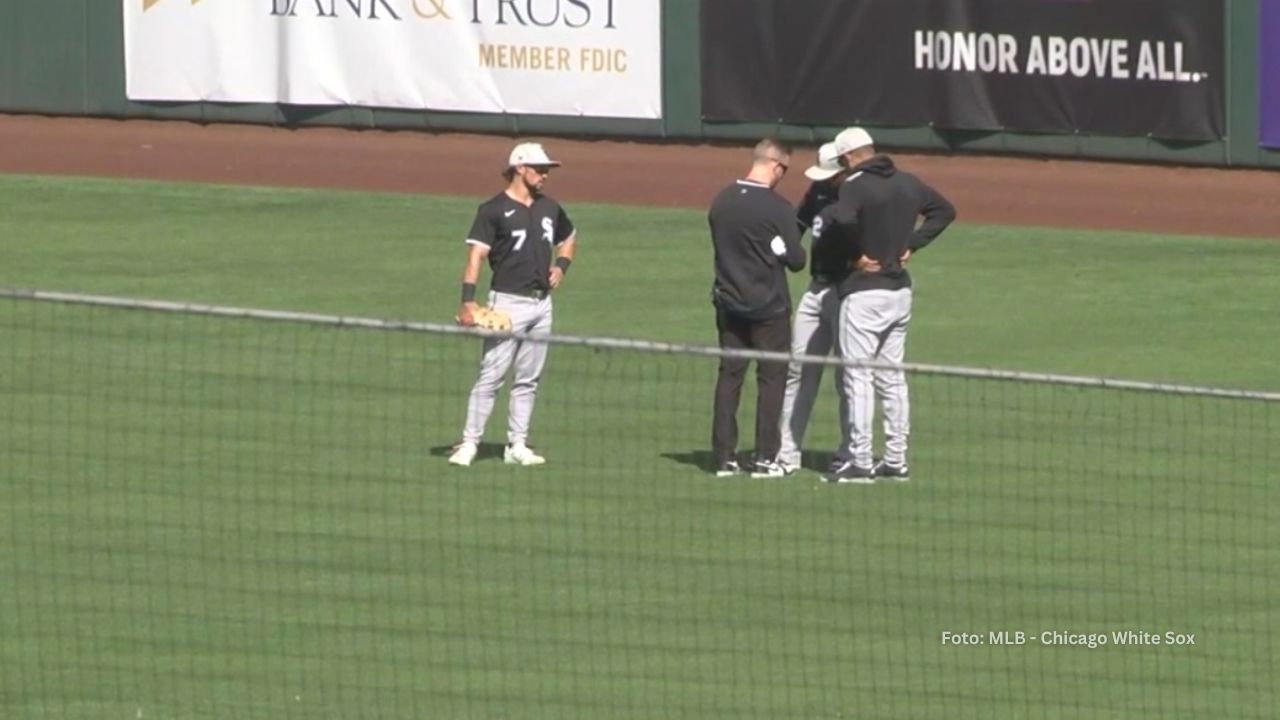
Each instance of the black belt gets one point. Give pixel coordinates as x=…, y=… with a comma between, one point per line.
x=823, y=280
x=535, y=293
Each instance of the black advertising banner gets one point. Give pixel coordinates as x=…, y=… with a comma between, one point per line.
x=1106, y=67
x=1269, y=74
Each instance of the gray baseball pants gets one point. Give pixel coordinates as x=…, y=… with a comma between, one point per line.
x=873, y=324
x=528, y=315
x=815, y=332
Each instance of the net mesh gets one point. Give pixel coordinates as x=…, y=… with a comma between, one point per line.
x=219, y=516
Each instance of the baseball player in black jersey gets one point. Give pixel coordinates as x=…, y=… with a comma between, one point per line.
x=878, y=209
x=814, y=329
x=755, y=238
x=518, y=230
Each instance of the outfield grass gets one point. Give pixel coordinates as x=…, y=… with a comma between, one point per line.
x=224, y=518
x=1187, y=309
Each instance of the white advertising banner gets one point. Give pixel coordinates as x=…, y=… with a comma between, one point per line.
x=599, y=58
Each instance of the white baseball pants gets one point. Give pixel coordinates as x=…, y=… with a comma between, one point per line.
x=815, y=331
x=528, y=315
x=873, y=324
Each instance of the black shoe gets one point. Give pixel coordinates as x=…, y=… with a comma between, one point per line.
x=729, y=468
x=838, y=464
x=851, y=473
x=899, y=473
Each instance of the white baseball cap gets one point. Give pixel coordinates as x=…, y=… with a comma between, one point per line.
x=851, y=139
x=530, y=154
x=828, y=164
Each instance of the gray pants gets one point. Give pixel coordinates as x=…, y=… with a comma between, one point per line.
x=873, y=324
x=815, y=332
x=528, y=315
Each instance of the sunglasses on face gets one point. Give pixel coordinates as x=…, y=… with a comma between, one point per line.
x=540, y=169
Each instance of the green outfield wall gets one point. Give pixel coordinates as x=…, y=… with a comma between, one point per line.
x=66, y=57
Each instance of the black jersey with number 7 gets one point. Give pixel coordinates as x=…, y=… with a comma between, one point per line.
x=520, y=239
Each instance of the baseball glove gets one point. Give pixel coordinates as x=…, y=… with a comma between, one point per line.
x=490, y=319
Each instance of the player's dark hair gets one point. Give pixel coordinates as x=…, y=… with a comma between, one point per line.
x=509, y=173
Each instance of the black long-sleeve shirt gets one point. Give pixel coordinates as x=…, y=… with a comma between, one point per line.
x=877, y=212
x=755, y=238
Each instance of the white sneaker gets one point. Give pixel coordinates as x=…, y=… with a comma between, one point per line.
x=463, y=454
x=729, y=469
x=769, y=469
x=521, y=455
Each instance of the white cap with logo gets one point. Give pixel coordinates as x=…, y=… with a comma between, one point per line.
x=530, y=153
x=828, y=164
x=851, y=139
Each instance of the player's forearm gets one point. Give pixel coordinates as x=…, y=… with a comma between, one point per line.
x=938, y=214
x=805, y=214
x=794, y=255
x=470, y=276
x=795, y=259
x=471, y=270
x=566, y=249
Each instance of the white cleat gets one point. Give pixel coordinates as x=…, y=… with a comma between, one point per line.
x=463, y=455
x=728, y=469
x=521, y=455
x=771, y=469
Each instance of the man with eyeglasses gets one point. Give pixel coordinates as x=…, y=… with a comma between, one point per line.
x=518, y=230
x=756, y=240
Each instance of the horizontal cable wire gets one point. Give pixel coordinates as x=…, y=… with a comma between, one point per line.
x=605, y=343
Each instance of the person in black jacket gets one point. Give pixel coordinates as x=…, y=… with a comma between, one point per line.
x=878, y=209
x=756, y=239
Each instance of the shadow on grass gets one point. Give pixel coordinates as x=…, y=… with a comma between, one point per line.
x=816, y=460
x=700, y=459
x=484, y=450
